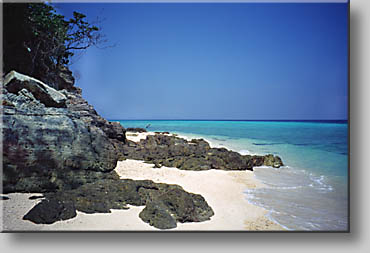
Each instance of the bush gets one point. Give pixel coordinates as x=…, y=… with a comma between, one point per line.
x=39, y=42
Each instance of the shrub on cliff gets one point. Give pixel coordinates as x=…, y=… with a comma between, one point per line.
x=39, y=42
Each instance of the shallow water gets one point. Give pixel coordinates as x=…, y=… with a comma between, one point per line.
x=310, y=192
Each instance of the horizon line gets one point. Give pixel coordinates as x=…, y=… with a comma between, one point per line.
x=236, y=119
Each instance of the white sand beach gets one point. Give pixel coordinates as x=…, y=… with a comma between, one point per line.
x=223, y=191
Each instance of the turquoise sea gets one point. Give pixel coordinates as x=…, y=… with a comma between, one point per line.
x=311, y=191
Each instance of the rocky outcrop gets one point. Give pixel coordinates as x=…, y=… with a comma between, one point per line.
x=165, y=205
x=15, y=82
x=273, y=161
x=65, y=79
x=171, y=151
x=53, y=139
x=136, y=129
x=54, y=142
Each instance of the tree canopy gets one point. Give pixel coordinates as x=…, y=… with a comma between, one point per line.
x=38, y=41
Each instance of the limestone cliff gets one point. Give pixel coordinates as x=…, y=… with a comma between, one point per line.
x=53, y=139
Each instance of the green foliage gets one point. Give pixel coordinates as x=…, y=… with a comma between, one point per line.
x=38, y=41
x=59, y=37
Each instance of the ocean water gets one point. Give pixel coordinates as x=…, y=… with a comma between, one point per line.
x=310, y=192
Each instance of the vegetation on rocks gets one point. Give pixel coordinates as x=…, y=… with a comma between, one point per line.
x=40, y=42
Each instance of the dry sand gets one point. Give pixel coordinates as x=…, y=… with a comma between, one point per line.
x=223, y=191
x=136, y=137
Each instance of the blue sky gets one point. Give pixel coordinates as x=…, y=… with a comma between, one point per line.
x=216, y=61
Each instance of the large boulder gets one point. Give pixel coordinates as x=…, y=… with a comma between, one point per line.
x=271, y=160
x=49, y=211
x=156, y=214
x=15, y=82
x=53, y=139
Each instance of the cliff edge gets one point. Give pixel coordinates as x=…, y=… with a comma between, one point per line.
x=53, y=139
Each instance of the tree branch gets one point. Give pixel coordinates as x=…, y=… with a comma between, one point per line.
x=77, y=48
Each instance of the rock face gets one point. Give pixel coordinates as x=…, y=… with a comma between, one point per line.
x=170, y=151
x=165, y=204
x=53, y=139
x=15, y=82
x=65, y=79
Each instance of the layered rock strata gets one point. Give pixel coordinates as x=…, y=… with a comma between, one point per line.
x=53, y=139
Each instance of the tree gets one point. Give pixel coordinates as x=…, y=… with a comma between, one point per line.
x=44, y=39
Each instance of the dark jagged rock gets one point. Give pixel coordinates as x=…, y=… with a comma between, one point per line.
x=53, y=139
x=156, y=214
x=136, y=129
x=170, y=151
x=274, y=161
x=4, y=198
x=51, y=210
x=165, y=204
x=185, y=207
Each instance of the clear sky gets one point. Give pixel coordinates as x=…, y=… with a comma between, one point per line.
x=217, y=61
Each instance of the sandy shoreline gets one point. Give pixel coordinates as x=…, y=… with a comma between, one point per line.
x=223, y=191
